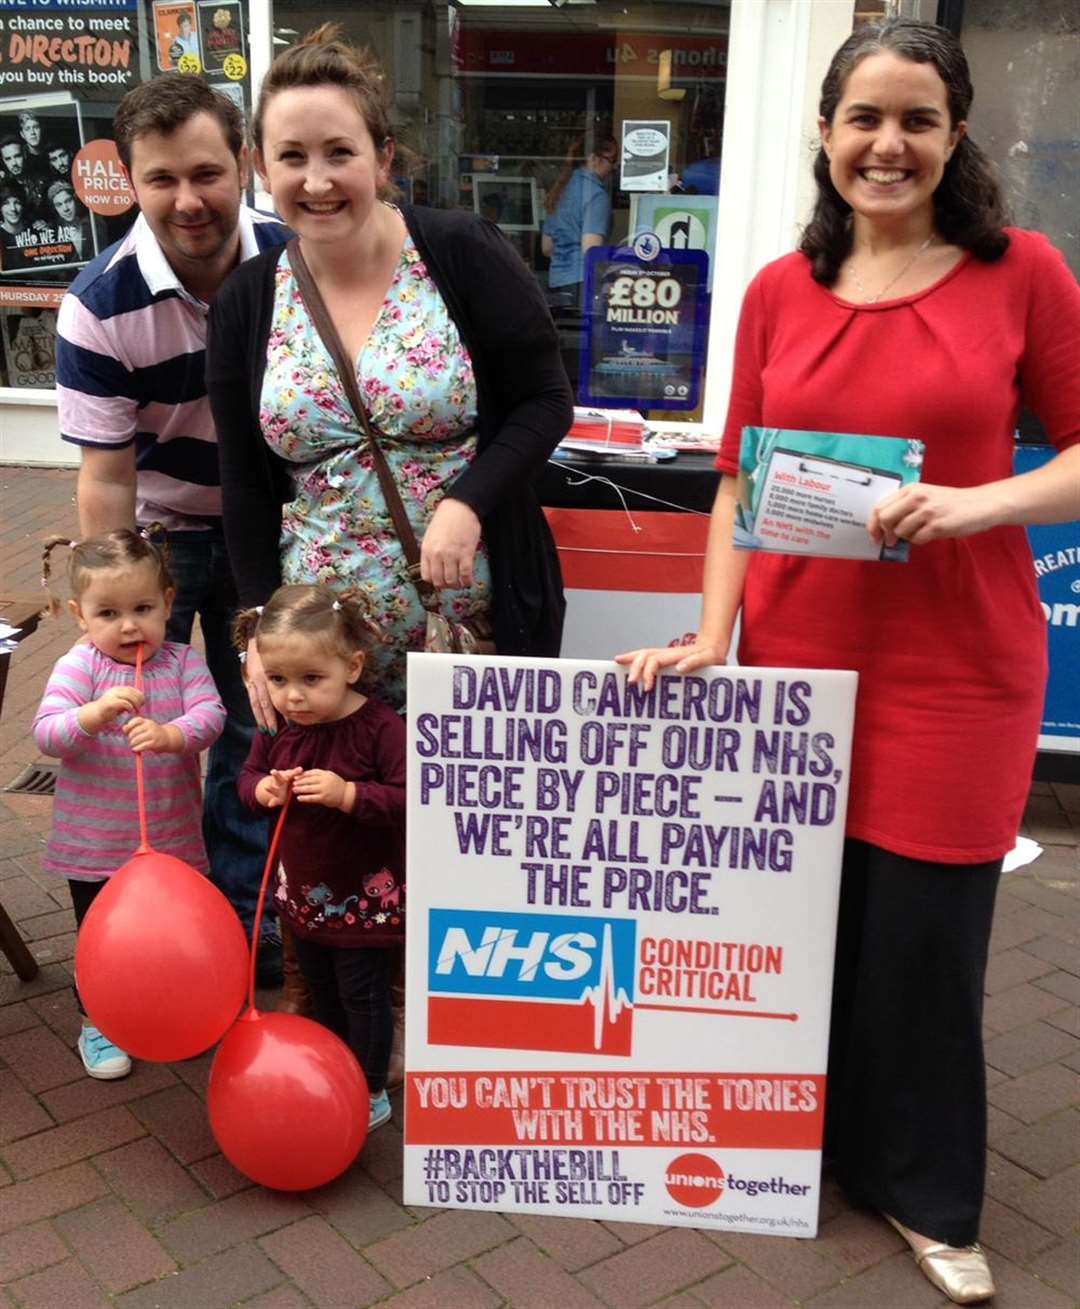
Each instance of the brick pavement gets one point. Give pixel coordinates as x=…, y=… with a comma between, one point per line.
x=114, y=1193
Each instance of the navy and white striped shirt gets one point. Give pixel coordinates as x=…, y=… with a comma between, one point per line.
x=130, y=363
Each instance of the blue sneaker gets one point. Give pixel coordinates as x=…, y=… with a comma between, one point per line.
x=100, y=1057
x=379, y=1112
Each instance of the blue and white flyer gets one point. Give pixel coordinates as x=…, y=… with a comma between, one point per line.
x=811, y=493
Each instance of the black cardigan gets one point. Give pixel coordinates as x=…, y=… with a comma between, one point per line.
x=524, y=408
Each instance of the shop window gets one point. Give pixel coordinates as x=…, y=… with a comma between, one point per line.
x=63, y=195
x=523, y=112
x=1025, y=65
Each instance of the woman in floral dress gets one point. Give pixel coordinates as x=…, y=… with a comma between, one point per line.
x=456, y=359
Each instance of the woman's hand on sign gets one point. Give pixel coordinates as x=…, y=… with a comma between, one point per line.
x=923, y=512
x=449, y=546
x=644, y=664
x=258, y=690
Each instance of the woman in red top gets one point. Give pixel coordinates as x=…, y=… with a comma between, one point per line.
x=910, y=311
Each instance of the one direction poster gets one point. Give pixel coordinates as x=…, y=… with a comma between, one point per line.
x=44, y=224
x=1056, y=549
x=646, y=326
x=619, y=963
x=87, y=47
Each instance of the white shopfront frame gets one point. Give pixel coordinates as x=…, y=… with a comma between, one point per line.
x=777, y=52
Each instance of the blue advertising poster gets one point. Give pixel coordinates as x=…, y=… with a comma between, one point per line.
x=646, y=323
x=1057, y=569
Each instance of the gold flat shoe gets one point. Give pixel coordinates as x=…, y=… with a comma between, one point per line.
x=960, y=1271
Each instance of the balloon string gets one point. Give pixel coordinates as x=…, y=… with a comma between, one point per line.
x=271, y=860
x=144, y=843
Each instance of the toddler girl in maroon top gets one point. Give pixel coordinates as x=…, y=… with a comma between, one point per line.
x=341, y=881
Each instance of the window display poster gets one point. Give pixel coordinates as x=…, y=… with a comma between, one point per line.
x=44, y=224
x=620, y=955
x=646, y=327
x=1056, y=551
x=176, y=36
x=680, y=222
x=221, y=29
x=646, y=149
x=85, y=50
x=30, y=349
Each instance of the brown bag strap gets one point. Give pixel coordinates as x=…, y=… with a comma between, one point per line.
x=324, y=325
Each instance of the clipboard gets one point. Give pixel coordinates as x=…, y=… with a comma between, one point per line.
x=816, y=505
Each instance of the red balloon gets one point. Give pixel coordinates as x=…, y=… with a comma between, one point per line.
x=288, y=1101
x=161, y=960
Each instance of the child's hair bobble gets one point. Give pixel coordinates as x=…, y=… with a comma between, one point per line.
x=339, y=619
x=123, y=548
x=245, y=625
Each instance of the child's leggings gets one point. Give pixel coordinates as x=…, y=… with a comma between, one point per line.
x=83, y=895
x=350, y=994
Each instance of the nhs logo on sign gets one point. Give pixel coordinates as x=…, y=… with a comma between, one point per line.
x=530, y=981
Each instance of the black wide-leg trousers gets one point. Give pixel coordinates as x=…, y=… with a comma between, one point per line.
x=906, y=1103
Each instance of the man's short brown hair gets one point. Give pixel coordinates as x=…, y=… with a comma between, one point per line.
x=167, y=103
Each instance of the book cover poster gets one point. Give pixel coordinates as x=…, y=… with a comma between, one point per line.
x=811, y=493
x=30, y=348
x=221, y=29
x=176, y=36
x=44, y=224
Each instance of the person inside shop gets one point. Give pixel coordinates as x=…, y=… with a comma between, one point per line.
x=130, y=357
x=907, y=260
x=458, y=370
x=578, y=215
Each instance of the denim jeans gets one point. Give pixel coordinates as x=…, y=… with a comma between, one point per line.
x=236, y=838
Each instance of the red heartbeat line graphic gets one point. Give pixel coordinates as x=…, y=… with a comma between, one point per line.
x=607, y=1002
x=731, y=1013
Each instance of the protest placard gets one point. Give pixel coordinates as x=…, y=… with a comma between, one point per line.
x=622, y=913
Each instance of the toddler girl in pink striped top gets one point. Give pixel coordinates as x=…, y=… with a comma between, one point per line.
x=94, y=720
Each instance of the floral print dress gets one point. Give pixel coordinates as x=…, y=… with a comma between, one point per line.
x=416, y=378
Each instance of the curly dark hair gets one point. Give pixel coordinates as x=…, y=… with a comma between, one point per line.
x=968, y=207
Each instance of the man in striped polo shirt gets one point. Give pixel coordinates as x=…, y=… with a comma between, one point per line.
x=130, y=363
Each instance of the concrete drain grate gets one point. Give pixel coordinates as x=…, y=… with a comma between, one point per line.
x=35, y=779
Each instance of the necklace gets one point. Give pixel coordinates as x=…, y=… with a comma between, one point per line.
x=873, y=299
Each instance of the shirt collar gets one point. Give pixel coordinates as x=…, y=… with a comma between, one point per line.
x=159, y=274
